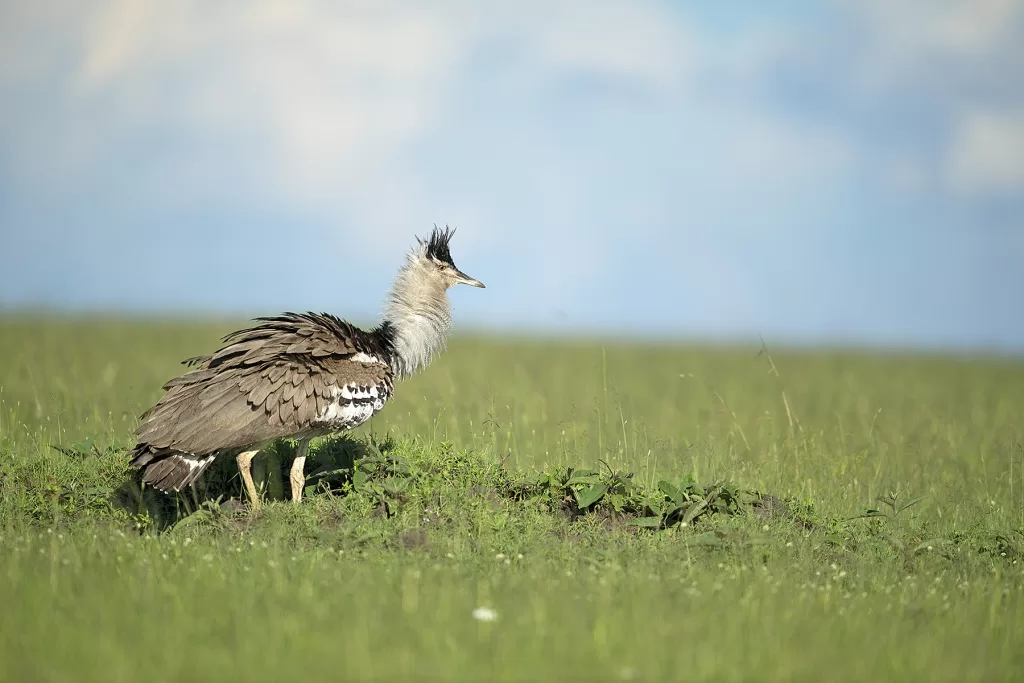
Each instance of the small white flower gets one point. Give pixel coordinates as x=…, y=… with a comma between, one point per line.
x=484, y=614
x=500, y=556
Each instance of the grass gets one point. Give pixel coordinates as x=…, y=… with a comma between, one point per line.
x=811, y=515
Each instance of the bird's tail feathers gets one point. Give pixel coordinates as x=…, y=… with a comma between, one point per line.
x=171, y=471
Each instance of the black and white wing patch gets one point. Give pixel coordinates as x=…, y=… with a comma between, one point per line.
x=353, y=404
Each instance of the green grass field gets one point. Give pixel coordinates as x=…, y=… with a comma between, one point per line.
x=738, y=550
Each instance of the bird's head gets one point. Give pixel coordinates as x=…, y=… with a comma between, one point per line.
x=417, y=313
x=435, y=257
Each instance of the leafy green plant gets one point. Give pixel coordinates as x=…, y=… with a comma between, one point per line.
x=686, y=502
x=894, y=504
x=889, y=526
x=582, y=491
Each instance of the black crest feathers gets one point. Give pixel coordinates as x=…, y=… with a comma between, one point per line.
x=437, y=245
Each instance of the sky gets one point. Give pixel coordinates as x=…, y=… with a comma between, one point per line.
x=807, y=172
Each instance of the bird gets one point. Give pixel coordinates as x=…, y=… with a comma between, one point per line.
x=297, y=376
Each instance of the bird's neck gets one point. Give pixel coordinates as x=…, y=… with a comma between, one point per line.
x=417, y=315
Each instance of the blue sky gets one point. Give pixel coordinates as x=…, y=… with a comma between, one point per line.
x=847, y=172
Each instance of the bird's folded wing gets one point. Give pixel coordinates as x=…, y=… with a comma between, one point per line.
x=270, y=381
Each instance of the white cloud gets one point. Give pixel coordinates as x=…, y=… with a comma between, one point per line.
x=636, y=41
x=962, y=60
x=917, y=34
x=321, y=96
x=765, y=151
x=318, y=103
x=314, y=104
x=987, y=154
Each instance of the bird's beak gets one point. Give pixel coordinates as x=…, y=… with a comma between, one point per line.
x=464, y=279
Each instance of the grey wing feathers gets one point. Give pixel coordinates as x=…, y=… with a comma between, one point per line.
x=266, y=382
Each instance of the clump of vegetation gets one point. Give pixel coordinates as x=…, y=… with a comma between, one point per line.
x=578, y=492
x=385, y=476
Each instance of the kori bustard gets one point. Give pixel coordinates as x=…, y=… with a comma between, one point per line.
x=297, y=376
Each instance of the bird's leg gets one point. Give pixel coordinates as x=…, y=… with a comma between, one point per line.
x=244, y=461
x=298, y=475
